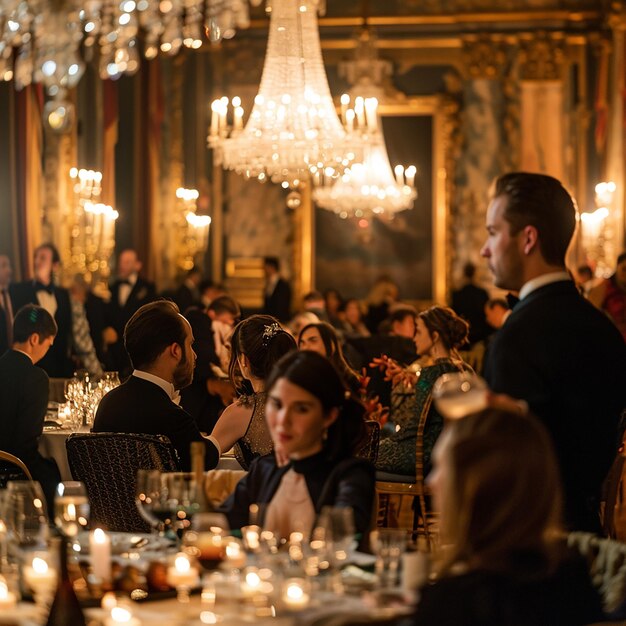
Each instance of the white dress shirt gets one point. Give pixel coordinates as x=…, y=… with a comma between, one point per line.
x=125, y=290
x=541, y=281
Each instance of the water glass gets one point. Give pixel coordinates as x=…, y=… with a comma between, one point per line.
x=24, y=514
x=71, y=508
x=458, y=394
x=388, y=544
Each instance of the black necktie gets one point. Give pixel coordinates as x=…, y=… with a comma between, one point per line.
x=8, y=316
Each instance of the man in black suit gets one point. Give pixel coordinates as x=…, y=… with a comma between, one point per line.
x=56, y=300
x=558, y=354
x=187, y=294
x=24, y=394
x=277, y=291
x=128, y=293
x=6, y=306
x=209, y=393
x=159, y=343
x=469, y=302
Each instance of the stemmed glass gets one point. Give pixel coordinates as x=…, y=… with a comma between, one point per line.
x=148, y=497
x=25, y=517
x=71, y=508
x=458, y=394
x=388, y=544
x=207, y=539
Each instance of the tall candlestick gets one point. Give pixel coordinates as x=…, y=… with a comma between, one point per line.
x=399, y=171
x=371, y=106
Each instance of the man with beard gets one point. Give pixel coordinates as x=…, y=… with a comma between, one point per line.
x=158, y=340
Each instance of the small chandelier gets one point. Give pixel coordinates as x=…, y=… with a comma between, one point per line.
x=52, y=39
x=293, y=131
x=370, y=188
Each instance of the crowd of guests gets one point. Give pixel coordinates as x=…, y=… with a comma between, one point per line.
x=288, y=393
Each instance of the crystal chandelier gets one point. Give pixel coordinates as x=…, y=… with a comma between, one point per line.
x=369, y=188
x=52, y=39
x=293, y=131
x=193, y=230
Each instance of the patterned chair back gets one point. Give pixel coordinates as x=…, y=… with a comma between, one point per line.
x=107, y=463
x=368, y=449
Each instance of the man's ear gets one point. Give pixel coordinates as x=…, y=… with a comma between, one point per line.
x=176, y=350
x=33, y=340
x=530, y=239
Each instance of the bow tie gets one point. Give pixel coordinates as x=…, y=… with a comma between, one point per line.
x=41, y=287
x=512, y=300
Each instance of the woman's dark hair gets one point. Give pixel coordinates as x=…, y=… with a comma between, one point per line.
x=153, y=328
x=30, y=320
x=334, y=353
x=263, y=341
x=452, y=329
x=319, y=377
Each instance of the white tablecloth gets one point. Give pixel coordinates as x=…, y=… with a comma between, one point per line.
x=52, y=445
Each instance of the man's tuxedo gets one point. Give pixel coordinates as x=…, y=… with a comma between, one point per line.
x=23, y=404
x=140, y=406
x=4, y=340
x=567, y=360
x=57, y=361
x=118, y=315
x=278, y=303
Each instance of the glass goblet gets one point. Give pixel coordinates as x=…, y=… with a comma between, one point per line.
x=71, y=508
x=458, y=394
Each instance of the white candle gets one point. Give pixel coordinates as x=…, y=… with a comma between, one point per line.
x=359, y=110
x=100, y=549
x=399, y=171
x=294, y=595
x=7, y=598
x=371, y=106
x=238, y=118
x=350, y=120
x=410, y=175
x=39, y=577
x=345, y=101
x=215, y=105
x=121, y=615
x=182, y=574
x=235, y=556
x=251, y=584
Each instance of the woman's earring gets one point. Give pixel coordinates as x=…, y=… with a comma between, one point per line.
x=325, y=434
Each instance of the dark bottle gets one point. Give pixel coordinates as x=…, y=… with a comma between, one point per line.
x=65, y=609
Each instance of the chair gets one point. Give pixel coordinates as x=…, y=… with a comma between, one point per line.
x=368, y=448
x=107, y=463
x=12, y=468
x=424, y=520
x=610, y=494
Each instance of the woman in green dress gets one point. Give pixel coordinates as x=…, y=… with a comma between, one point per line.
x=439, y=333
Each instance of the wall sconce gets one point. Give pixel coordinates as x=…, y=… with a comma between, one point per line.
x=92, y=238
x=194, y=230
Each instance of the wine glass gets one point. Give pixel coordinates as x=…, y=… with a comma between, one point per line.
x=180, y=496
x=388, y=544
x=25, y=517
x=458, y=394
x=206, y=540
x=148, y=497
x=71, y=508
x=335, y=534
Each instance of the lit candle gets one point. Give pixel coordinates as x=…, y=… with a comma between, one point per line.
x=235, y=556
x=238, y=118
x=371, y=106
x=7, y=598
x=350, y=120
x=251, y=583
x=410, y=175
x=251, y=535
x=359, y=110
x=39, y=577
x=345, y=101
x=215, y=106
x=121, y=615
x=182, y=574
x=399, y=171
x=100, y=549
x=294, y=595
x=108, y=601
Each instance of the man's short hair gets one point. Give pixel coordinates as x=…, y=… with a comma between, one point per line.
x=540, y=201
x=494, y=302
x=272, y=261
x=32, y=319
x=56, y=257
x=312, y=296
x=225, y=304
x=153, y=328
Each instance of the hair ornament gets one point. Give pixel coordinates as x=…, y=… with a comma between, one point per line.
x=269, y=331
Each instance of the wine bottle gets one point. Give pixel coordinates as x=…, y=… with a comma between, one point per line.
x=65, y=607
x=197, y=467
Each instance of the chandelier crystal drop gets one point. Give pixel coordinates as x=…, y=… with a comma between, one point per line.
x=48, y=41
x=369, y=188
x=293, y=130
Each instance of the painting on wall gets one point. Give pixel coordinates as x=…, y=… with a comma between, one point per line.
x=351, y=254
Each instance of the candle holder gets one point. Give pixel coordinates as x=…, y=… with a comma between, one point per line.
x=183, y=576
x=40, y=578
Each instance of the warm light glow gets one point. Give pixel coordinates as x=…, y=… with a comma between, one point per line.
x=39, y=565
x=198, y=221
x=121, y=614
x=595, y=217
x=99, y=535
x=182, y=564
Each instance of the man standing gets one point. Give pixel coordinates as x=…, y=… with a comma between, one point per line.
x=56, y=300
x=469, y=302
x=277, y=291
x=159, y=343
x=24, y=394
x=556, y=352
x=6, y=307
x=128, y=293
